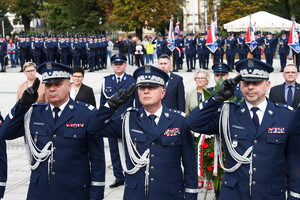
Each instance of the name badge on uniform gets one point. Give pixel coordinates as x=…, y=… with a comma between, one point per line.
x=74, y=125
x=172, y=132
x=276, y=130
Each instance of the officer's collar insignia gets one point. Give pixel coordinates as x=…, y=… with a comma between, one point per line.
x=71, y=106
x=172, y=132
x=147, y=69
x=49, y=66
x=124, y=78
x=47, y=107
x=142, y=115
x=250, y=63
x=270, y=112
x=243, y=110
x=171, y=78
x=167, y=114
x=74, y=125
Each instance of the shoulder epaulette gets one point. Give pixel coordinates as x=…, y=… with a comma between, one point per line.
x=280, y=105
x=132, y=109
x=39, y=104
x=233, y=102
x=86, y=105
x=178, y=112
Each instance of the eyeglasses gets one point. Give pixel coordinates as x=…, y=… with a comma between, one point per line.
x=200, y=79
x=290, y=72
x=77, y=76
x=29, y=71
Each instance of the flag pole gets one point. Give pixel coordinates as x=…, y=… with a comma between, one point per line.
x=172, y=17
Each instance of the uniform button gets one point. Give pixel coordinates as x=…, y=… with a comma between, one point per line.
x=53, y=161
x=126, y=185
x=152, y=144
x=179, y=191
x=54, y=136
x=75, y=136
x=152, y=155
x=254, y=155
x=254, y=169
x=225, y=182
x=53, y=173
x=84, y=185
x=281, y=190
x=235, y=135
x=54, y=148
x=36, y=132
x=172, y=143
x=134, y=139
x=152, y=179
x=253, y=182
x=276, y=141
x=152, y=168
x=255, y=141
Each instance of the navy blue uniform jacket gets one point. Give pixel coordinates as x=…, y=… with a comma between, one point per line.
x=167, y=181
x=77, y=172
x=3, y=163
x=174, y=97
x=269, y=148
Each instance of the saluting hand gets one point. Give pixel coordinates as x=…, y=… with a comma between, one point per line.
x=226, y=90
x=30, y=95
x=121, y=96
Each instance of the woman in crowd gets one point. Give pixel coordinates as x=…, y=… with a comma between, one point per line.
x=11, y=50
x=79, y=91
x=139, y=53
x=29, y=70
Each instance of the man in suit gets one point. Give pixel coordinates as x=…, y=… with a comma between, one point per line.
x=174, y=97
x=111, y=83
x=3, y=163
x=65, y=160
x=255, y=134
x=80, y=91
x=156, y=142
x=288, y=92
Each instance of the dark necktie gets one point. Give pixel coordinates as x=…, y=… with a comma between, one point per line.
x=255, y=118
x=152, y=119
x=118, y=80
x=289, y=99
x=56, y=111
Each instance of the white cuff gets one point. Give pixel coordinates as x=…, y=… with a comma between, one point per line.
x=3, y=184
x=294, y=194
x=94, y=183
x=189, y=190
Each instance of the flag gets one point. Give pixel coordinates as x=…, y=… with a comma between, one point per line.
x=294, y=38
x=250, y=37
x=177, y=29
x=211, y=41
x=171, y=39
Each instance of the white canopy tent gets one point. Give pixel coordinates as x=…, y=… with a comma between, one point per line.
x=263, y=21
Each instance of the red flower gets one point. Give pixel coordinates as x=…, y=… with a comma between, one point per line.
x=205, y=145
x=209, y=168
x=211, y=155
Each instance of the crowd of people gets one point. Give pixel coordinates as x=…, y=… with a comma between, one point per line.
x=63, y=130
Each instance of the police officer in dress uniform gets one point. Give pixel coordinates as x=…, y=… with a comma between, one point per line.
x=76, y=48
x=160, y=46
x=257, y=51
x=255, y=134
x=242, y=48
x=230, y=43
x=110, y=85
x=3, y=52
x=270, y=48
x=3, y=163
x=156, y=142
x=201, y=50
x=22, y=51
x=283, y=49
x=222, y=70
x=189, y=51
x=177, y=53
x=104, y=45
x=67, y=161
x=207, y=52
x=90, y=50
x=219, y=53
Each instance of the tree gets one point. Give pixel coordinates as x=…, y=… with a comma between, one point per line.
x=7, y=25
x=129, y=15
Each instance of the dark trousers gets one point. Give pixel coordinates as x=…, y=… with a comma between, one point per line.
x=201, y=58
x=230, y=60
x=242, y=56
x=189, y=61
x=269, y=59
x=283, y=59
x=139, y=59
x=175, y=62
x=115, y=159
